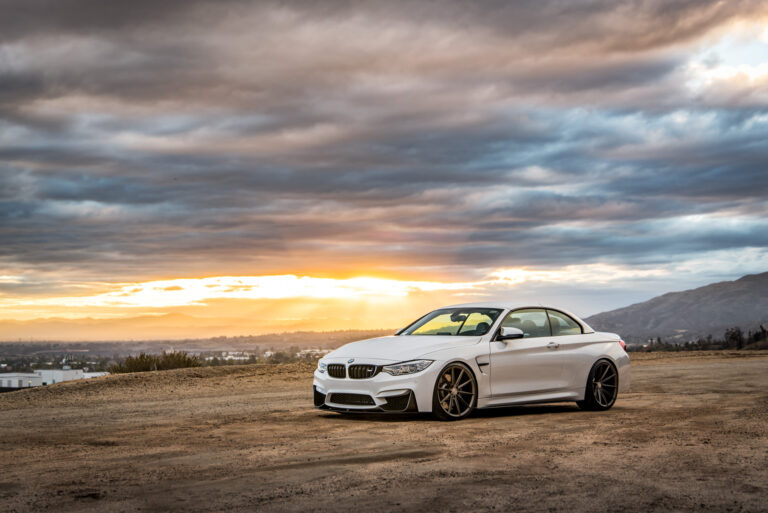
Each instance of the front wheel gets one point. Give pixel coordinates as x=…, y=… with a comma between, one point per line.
x=455, y=393
x=602, y=387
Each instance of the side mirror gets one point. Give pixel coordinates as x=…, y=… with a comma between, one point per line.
x=510, y=334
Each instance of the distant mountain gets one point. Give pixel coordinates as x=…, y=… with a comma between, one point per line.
x=692, y=313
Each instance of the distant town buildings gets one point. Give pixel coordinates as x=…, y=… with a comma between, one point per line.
x=237, y=356
x=252, y=357
x=312, y=353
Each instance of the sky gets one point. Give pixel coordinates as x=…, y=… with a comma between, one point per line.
x=334, y=165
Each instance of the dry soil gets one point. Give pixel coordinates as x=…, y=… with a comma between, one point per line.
x=691, y=435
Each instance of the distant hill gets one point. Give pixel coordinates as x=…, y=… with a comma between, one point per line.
x=691, y=313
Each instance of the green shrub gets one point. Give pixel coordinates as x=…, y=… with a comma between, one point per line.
x=150, y=362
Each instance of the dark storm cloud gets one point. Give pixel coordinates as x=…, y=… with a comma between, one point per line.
x=148, y=138
x=42, y=17
x=84, y=187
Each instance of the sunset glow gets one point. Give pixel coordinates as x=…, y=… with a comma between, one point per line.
x=185, y=292
x=257, y=166
x=160, y=294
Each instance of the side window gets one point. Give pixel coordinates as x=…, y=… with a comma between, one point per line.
x=532, y=321
x=563, y=324
x=477, y=323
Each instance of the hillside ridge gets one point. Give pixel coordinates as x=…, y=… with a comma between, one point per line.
x=687, y=314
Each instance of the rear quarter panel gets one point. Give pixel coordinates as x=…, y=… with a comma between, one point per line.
x=580, y=352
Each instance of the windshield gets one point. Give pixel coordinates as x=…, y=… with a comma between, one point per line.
x=464, y=322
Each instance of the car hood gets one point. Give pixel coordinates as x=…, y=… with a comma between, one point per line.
x=400, y=348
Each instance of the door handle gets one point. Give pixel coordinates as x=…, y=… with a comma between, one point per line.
x=553, y=345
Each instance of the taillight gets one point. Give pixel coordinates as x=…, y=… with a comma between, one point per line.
x=623, y=344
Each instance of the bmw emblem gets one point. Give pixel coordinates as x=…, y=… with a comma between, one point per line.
x=350, y=360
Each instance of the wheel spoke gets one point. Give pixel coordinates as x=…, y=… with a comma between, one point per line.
x=607, y=368
x=468, y=381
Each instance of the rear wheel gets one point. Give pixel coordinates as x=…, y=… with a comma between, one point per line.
x=455, y=393
x=602, y=387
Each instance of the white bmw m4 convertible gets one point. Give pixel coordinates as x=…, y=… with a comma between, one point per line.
x=483, y=355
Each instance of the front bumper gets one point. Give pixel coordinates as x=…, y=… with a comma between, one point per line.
x=381, y=393
x=393, y=404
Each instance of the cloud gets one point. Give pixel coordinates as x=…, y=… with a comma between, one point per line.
x=406, y=138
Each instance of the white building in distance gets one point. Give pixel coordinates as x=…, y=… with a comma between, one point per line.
x=14, y=380
x=53, y=376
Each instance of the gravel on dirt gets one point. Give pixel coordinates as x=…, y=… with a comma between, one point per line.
x=692, y=434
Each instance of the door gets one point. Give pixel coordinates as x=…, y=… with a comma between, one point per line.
x=573, y=351
x=529, y=365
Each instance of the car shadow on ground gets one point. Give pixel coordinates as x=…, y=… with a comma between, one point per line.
x=506, y=411
x=529, y=409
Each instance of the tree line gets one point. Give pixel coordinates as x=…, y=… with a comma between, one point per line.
x=733, y=338
x=145, y=362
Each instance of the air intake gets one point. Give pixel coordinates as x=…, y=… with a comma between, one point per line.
x=352, y=399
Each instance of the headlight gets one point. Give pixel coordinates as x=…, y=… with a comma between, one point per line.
x=322, y=366
x=398, y=369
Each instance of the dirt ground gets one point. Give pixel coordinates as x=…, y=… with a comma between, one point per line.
x=691, y=435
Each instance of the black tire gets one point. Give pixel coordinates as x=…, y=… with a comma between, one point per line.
x=602, y=387
x=454, y=402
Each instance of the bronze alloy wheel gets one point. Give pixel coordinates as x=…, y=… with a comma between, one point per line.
x=455, y=392
x=602, y=387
